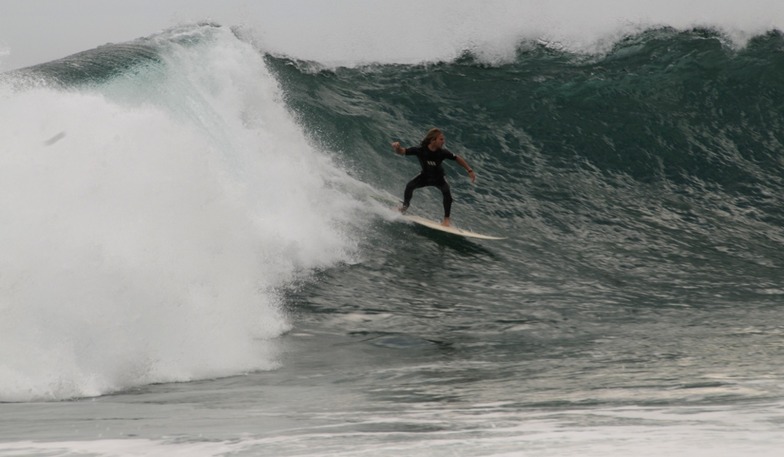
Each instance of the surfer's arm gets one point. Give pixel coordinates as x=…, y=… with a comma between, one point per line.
x=397, y=148
x=464, y=164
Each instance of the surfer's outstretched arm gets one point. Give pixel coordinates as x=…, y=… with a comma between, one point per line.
x=397, y=148
x=467, y=167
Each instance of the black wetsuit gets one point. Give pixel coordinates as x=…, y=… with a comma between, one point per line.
x=432, y=174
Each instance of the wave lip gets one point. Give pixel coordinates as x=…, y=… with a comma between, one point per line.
x=441, y=31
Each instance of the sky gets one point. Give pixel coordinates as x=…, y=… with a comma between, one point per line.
x=37, y=31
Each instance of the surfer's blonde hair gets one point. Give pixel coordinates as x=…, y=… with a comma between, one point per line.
x=432, y=134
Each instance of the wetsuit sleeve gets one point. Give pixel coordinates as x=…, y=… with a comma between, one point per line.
x=412, y=151
x=449, y=155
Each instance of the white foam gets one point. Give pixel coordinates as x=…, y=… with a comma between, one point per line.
x=148, y=242
x=116, y=448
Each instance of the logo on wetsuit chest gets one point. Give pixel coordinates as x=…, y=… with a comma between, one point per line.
x=432, y=163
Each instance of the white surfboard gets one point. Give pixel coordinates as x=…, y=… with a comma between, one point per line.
x=454, y=231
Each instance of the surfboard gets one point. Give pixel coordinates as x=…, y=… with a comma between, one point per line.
x=452, y=230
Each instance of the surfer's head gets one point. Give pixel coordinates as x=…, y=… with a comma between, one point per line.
x=435, y=137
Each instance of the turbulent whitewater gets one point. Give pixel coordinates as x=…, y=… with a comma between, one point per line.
x=155, y=196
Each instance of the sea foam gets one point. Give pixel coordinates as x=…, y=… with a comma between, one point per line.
x=148, y=222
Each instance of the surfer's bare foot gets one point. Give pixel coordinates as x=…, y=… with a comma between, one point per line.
x=402, y=208
x=446, y=222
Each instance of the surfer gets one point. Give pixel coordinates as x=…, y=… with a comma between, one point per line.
x=431, y=152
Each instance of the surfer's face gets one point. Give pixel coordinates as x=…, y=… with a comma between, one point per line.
x=438, y=142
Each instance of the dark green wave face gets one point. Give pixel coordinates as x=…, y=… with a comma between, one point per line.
x=663, y=105
x=667, y=150
x=97, y=65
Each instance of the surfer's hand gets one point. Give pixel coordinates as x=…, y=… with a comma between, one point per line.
x=472, y=175
x=396, y=147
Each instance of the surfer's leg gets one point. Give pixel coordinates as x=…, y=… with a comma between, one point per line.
x=447, y=193
x=415, y=183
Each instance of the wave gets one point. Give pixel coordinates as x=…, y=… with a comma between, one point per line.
x=154, y=198
x=157, y=196
x=701, y=94
x=668, y=147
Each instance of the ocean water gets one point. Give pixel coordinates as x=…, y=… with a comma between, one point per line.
x=199, y=256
